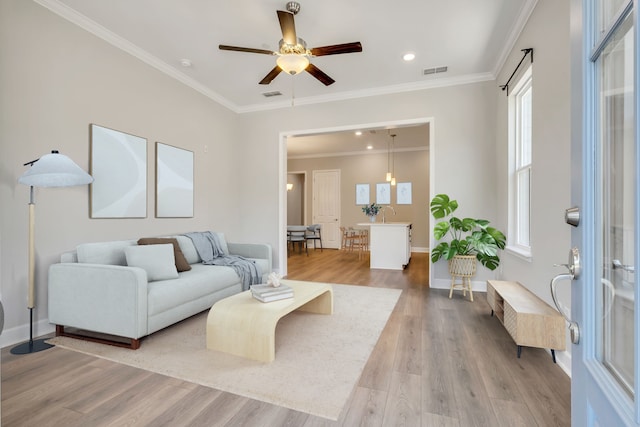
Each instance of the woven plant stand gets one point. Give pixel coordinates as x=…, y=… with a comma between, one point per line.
x=462, y=267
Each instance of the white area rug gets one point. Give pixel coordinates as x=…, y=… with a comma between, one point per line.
x=319, y=358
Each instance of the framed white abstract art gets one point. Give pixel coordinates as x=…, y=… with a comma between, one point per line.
x=174, y=182
x=119, y=170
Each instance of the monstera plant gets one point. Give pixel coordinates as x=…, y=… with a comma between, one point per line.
x=468, y=236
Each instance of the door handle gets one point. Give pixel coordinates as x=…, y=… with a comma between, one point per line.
x=574, y=329
x=617, y=264
x=574, y=271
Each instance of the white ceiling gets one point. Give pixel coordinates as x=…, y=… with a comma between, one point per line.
x=470, y=37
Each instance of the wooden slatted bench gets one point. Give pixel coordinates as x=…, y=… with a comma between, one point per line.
x=530, y=321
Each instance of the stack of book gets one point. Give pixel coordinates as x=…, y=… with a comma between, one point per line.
x=267, y=293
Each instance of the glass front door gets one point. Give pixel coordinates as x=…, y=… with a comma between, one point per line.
x=604, y=152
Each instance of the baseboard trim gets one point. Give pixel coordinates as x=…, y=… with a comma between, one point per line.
x=476, y=285
x=563, y=359
x=20, y=333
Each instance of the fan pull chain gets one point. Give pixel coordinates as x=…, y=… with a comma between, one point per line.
x=293, y=91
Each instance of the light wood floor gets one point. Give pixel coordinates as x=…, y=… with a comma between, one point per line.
x=439, y=362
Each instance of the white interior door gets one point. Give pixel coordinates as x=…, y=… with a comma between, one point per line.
x=605, y=186
x=326, y=206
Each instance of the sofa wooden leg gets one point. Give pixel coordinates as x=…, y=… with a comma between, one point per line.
x=133, y=344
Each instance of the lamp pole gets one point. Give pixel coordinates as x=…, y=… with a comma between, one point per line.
x=31, y=346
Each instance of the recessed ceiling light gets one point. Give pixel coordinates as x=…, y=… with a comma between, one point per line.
x=358, y=132
x=409, y=56
x=185, y=63
x=369, y=147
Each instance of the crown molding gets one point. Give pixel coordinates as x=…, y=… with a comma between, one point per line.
x=384, y=90
x=516, y=30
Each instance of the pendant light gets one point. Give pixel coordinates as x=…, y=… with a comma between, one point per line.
x=393, y=160
x=388, y=177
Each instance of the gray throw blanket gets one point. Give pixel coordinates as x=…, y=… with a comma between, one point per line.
x=210, y=250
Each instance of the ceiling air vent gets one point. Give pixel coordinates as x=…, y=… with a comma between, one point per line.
x=270, y=94
x=434, y=70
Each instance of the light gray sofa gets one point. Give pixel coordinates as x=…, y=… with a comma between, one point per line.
x=93, y=289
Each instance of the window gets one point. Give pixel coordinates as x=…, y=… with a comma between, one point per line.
x=520, y=164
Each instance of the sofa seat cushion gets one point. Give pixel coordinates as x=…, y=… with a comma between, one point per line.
x=201, y=280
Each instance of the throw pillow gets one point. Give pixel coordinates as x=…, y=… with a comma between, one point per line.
x=181, y=262
x=157, y=260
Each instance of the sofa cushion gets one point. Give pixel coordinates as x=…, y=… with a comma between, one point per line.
x=202, y=280
x=188, y=249
x=157, y=260
x=181, y=262
x=110, y=253
x=190, y=252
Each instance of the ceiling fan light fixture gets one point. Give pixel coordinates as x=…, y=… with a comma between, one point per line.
x=409, y=56
x=292, y=63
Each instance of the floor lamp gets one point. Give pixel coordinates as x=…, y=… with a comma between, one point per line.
x=50, y=170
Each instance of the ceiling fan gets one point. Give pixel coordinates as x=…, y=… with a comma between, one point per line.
x=293, y=55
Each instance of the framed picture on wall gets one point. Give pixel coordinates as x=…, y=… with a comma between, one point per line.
x=403, y=193
x=383, y=193
x=119, y=170
x=362, y=194
x=174, y=182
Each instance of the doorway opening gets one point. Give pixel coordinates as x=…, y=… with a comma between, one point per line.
x=331, y=137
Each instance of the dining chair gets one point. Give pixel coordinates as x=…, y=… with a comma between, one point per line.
x=314, y=233
x=296, y=235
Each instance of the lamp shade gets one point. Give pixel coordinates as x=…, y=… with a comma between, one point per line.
x=55, y=170
x=292, y=63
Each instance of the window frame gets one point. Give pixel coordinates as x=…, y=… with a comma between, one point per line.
x=520, y=164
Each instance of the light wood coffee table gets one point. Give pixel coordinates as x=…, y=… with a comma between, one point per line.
x=244, y=326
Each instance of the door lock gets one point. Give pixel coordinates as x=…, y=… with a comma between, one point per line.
x=572, y=216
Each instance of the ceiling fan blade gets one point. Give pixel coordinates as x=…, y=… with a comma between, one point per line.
x=272, y=75
x=288, y=27
x=245, y=49
x=319, y=74
x=336, y=49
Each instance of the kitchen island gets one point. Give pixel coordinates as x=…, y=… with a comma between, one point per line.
x=389, y=244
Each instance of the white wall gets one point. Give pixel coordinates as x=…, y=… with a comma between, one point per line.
x=55, y=80
x=547, y=32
